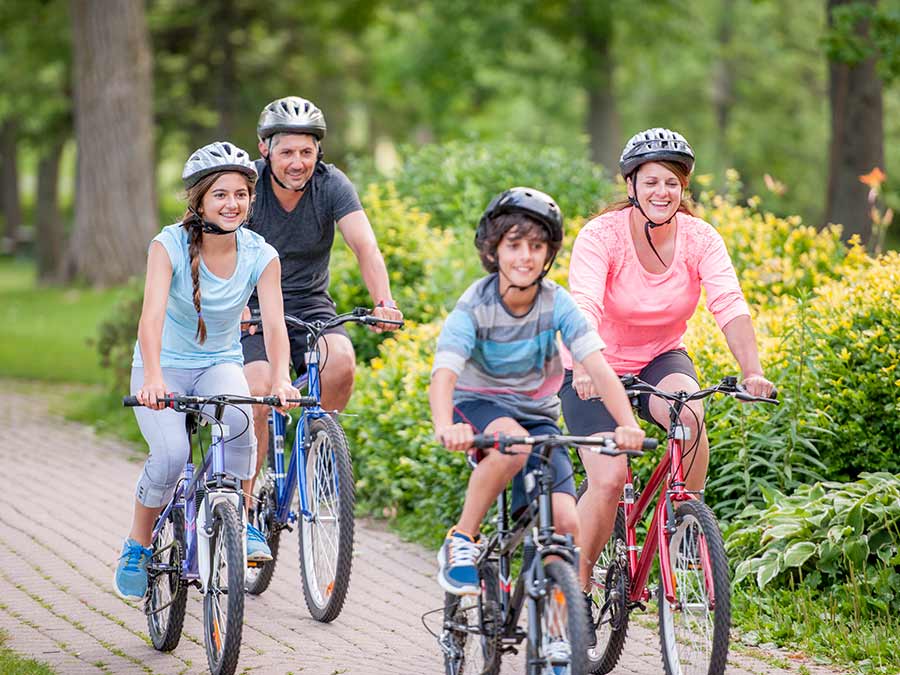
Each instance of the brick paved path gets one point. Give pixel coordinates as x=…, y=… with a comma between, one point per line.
x=64, y=511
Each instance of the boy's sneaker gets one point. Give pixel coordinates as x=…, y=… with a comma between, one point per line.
x=257, y=548
x=130, y=581
x=559, y=655
x=457, y=573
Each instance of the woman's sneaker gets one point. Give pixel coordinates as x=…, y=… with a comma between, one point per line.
x=130, y=580
x=257, y=548
x=457, y=573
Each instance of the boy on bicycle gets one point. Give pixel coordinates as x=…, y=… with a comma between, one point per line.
x=497, y=369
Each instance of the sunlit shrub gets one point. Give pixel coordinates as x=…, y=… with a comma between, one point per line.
x=777, y=256
x=422, y=274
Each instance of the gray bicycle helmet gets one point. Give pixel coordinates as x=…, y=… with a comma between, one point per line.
x=293, y=115
x=654, y=145
x=216, y=157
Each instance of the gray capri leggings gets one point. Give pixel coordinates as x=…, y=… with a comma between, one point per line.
x=165, y=433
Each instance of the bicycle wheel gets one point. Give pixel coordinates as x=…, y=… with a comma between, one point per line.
x=223, y=604
x=326, y=536
x=167, y=594
x=694, y=632
x=609, y=597
x=561, y=646
x=263, y=517
x=470, y=639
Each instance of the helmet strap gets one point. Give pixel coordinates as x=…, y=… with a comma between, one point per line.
x=210, y=227
x=648, y=224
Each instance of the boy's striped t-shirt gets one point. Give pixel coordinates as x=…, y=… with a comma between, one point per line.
x=513, y=360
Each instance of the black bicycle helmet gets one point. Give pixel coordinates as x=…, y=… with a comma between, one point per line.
x=532, y=203
x=216, y=157
x=292, y=115
x=654, y=145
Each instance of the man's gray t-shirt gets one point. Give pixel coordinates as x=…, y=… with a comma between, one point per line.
x=303, y=237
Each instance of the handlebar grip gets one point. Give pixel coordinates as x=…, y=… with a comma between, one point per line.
x=130, y=401
x=304, y=401
x=372, y=320
x=650, y=444
x=485, y=441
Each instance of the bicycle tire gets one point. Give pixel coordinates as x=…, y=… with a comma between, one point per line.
x=263, y=518
x=223, y=645
x=563, y=625
x=610, y=581
x=467, y=652
x=686, y=647
x=326, y=539
x=166, y=587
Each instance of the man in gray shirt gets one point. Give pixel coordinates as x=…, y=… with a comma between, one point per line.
x=299, y=200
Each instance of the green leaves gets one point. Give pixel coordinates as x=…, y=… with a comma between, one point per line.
x=826, y=535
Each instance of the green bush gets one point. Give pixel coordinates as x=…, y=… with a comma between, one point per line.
x=834, y=355
x=454, y=181
x=424, y=274
x=117, y=333
x=400, y=469
x=826, y=535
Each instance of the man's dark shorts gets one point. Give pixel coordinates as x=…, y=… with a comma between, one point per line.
x=479, y=414
x=318, y=307
x=585, y=418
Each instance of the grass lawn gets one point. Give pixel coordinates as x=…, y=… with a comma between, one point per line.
x=10, y=662
x=46, y=330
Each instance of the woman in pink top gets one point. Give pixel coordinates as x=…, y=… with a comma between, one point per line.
x=636, y=272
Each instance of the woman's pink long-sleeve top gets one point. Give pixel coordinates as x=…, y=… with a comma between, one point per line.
x=638, y=314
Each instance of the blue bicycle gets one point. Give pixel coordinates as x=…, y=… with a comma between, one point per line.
x=199, y=539
x=320, y=468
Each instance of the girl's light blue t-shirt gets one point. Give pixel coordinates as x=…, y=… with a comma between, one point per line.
x=221, y=300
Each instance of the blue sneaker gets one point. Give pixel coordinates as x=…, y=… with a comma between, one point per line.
x=257, y=548
x=130, y=580
x=457, y=573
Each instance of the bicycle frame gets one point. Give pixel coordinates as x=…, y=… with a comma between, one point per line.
x=657, y=537
x=192, y=492
x=503, y=543
x=640, y=559
x=286, y=482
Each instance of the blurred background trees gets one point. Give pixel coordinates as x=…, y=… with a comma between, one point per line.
x=800, y=98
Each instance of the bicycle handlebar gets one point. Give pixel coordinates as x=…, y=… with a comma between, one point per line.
x=358, y=315
x=729, y=386
x=179, y=402
x=600, y=445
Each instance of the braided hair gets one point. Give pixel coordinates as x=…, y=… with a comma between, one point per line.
x=191, y=221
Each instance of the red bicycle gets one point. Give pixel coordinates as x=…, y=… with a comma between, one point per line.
x=694, y=594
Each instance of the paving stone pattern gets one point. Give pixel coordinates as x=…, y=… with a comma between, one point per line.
x=64, y=511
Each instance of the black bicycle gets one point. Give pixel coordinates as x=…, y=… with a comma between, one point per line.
x=478, y=630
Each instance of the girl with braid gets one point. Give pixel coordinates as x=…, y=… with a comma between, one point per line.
x=200, y=274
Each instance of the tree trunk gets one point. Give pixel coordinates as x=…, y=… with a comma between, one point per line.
x=9, y=186
x=857, y=138
x=602, y=117
x=115, y=205
x=723, y=79
x=49, y=233
x=225, y=69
